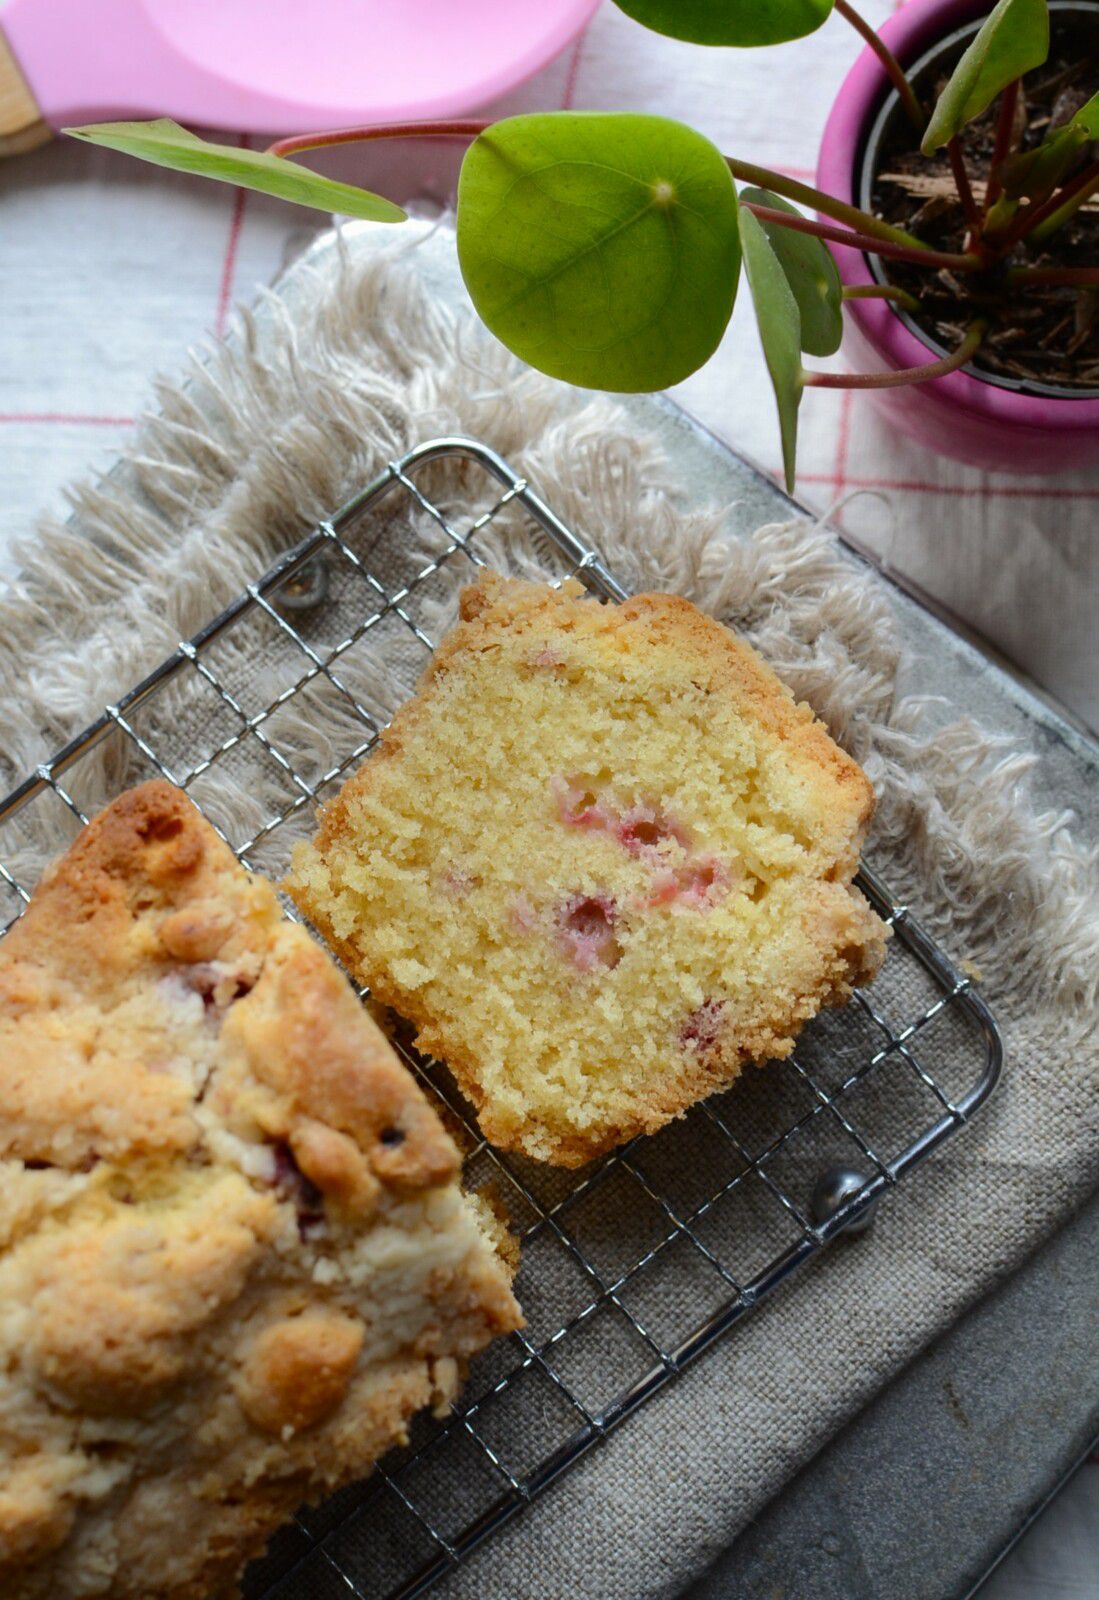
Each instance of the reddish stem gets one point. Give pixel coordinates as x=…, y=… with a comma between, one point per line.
x=1061, y=207
x=803, y=194
x=863, y=241
x=895, y=380
x=965, y=189
x=1070, y=277
x=1005, y=126
x=463, y=128
x=1032, y=217
x=889, y=62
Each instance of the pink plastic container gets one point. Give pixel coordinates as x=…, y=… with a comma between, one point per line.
x=264, y=68
x=981, y=423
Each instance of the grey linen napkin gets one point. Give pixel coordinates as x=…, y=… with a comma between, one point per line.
x=268, y=434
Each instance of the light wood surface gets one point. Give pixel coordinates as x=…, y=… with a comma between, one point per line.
x=22, y=126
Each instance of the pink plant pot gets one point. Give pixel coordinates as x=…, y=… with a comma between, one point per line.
x=963, y=416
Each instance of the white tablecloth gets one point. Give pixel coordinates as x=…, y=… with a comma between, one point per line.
x=109, y=269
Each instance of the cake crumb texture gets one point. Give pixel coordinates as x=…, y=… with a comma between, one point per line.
x=601, y=861
x=234, y=1255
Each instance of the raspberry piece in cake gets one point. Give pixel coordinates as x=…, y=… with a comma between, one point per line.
x=234, y=1255
x=586, y=931
x=659, y=844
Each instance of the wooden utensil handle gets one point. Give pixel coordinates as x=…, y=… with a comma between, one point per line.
x=22, y=125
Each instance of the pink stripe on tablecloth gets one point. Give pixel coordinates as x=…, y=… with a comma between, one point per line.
x=573, y=72
x=85, y=419
x=229, y=261
x=1002, y=491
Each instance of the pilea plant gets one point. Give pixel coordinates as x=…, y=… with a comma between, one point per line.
x=607, y=249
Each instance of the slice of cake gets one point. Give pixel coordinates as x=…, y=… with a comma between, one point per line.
x=234, y=1255
x=601, y=861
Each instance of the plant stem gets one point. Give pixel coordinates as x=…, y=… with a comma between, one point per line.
x=1064, y=205
x=880, y=291
x=1082, y=277
x=889, y=61
x=1040, y=220
x=465, y=128
x=791, y=189
x=894, y=380
x=1005, y=126
x=1001, y=227
x=860, y=241
x=965, y=190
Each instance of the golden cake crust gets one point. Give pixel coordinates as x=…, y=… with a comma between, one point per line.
x=574, y=678
x=234, y=1256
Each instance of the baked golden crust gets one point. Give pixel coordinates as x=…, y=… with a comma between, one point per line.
x=234, y=1256
x=602, y=860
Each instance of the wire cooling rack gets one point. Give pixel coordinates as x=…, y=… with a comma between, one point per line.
x=634, y=1266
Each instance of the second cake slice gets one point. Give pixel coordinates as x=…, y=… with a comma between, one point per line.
x=601, y=861
x=235, y=1259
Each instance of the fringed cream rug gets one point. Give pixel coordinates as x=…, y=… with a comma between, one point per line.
x=277, y=428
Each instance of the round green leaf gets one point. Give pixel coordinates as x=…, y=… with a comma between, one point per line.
x=166, y=144
x=730, y=22
x=602, y=249
x=779, y=331
x=812, y=274
x=1013, y=39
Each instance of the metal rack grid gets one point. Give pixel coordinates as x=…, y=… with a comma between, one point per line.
x=634, y=1266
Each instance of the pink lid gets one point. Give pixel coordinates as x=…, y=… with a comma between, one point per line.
x=264, y=67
